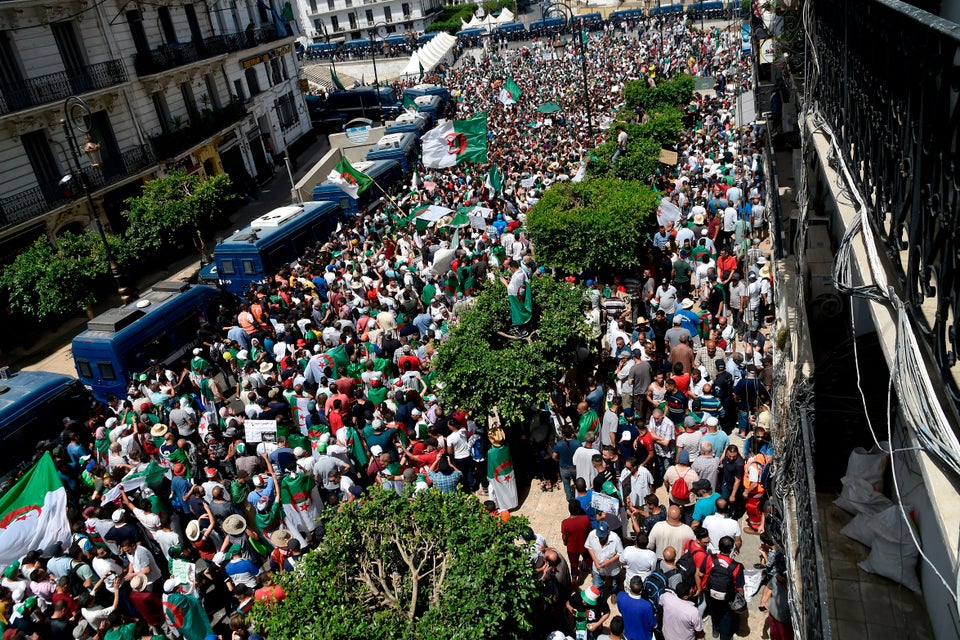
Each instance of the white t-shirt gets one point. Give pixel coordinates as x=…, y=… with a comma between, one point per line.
x=458, y=442
x=720, y=525
x=637, y=562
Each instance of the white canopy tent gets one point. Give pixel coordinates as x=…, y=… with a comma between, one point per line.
x=487, y=22
x=429, y=55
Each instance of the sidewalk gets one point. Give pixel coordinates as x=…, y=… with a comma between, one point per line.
x=51, y=352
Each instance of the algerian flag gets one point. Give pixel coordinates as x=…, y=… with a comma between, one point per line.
x=349, y=179
x=34, y=512
x=338, y=355
x=151, y=476
x=454, y=142
x=414, y=182
x=185, y=614
x=503, y=482
x=521, y=304
x=495, y=180
x=580, y=174
x=409, y=103
x=422, y=72
x=336, y=81
x=301, y=504
x=510, y=92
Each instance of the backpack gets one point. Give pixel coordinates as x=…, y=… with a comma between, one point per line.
x=687, y=562
x=653, y=587
x=721, y=583
x=476, y=448
x=680, y=491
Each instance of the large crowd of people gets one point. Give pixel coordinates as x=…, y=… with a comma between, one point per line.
x=321, y=384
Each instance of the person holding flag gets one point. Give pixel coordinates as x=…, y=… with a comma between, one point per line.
x=503, y=481
x=348, y=178
x=521, y=302
x=454, y=142
x=184, y=612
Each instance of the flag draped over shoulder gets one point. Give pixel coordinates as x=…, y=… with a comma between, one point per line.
x=503, y=482
x=33, y=513
x=349, y=179
x=336, y=81
x=301, y=504
x=185, y=614
x=454, y=142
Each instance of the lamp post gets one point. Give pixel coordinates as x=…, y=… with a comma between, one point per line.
x=565, y=11
x=76, y=116
x=379, y=29
x=330, y=52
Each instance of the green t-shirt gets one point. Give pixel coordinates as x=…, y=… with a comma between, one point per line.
x=682, y=271
x=126, y=632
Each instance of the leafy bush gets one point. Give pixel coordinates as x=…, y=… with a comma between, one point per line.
x=46, y=281
x=669, y=93
x=644, y=142
x=479, y=369
x=391, y=568
x=179, y=208
x=598, y=224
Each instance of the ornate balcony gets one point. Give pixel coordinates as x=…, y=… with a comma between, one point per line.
x=35, y=201
x=54, y=87
x=208, y=123
x=171, y=56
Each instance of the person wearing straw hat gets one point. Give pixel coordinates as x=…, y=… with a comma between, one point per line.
x=500, y=474
x=147, y=602
x=279, y=557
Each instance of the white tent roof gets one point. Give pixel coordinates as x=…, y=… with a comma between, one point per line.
x=430, y=54
x=487, y=22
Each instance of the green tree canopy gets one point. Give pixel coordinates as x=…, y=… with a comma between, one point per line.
x=677, y=91
x=478, y=368
x=433, y=565
x=598, y=224
x=46, y=280
x=178, y=207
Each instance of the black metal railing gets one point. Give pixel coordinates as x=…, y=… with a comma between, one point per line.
x=53, y=87
x=207, y=123
x=795, y=500
x=888, y=88
x=171, y=56
x=36, y=201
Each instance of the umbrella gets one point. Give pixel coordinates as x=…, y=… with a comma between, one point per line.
x=548, y=107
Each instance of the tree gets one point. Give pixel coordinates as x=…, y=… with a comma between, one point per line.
x=599, y=224
x=430, y=565
x=178, y=208
x=478, y=368
x=46, y=280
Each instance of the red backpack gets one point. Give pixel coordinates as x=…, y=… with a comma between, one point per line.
x=679, y=490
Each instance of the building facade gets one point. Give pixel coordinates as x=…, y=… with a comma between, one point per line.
x=345, y=20
x=200, y=87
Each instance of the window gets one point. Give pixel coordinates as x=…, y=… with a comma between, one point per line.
x=283, y=67
x=286, y=110
x=369, y=17
x=189, y=101
x=227, y=268
x=318, y=26
x=349, y=3
x=86, y=371
x=313, y=6
x=275, y=71
x=352, y=17
x=162, y=111
x=330, y=5
x=213, y=96
x=238, y=87
x=249, y=269
x=195, y=34
x=43, y=162
x=405, y=8
x=253, y=83
x=106, y=371
x=139, y=34
x=166, y=25
x=335, y=22
x=387, y=14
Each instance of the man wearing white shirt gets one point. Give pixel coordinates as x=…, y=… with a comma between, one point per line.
x=720, y=524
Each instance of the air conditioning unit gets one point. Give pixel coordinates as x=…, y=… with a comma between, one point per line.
x=390, y=141
x=276, y=217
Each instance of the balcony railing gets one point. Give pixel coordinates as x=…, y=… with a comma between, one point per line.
x=208, y=123
x=171, y=56
x=892, y=107
x=53, y=87
x=36, y=201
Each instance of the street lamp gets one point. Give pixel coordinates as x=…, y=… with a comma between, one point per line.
x=76, y=116
x=565, y=11
x=330, y=52
x=379, y=29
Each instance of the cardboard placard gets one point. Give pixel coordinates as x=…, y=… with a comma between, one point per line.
x=668, y=157
x=260, y=430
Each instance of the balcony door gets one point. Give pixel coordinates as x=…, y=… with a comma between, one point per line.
x=12, y=86
x=102, y=133
x=44, y=164
x=72, y=54
x=139, y=34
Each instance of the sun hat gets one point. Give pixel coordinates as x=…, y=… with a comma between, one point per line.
x=281, y=538
x=193, y=531
x=234, y=525
x=158, y=430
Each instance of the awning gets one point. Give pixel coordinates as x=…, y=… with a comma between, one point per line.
x=429, y=55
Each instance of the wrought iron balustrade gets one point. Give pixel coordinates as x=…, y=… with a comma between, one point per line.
x=171, y=56
x=35, y=201
x=53, y=87
x=888, y=87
